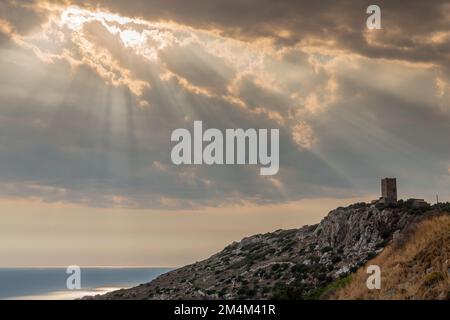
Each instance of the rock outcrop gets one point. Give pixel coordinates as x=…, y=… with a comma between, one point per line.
x=415, y=266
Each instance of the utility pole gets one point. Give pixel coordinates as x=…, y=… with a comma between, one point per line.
x=437, y=203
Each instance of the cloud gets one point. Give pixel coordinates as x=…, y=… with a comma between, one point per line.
x=98, y=145
x=407, y=30
x=198, y=67
x=303, y=135
x=90, y=97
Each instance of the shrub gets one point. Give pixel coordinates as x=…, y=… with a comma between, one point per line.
x=326, y=249
x=336, y=259
x=432, y=278
x=299, y=269
x=275, y=267
x=324, y=292
x=293, y=291
x=246, y=292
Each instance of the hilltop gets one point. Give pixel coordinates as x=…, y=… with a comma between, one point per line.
x=305, y=263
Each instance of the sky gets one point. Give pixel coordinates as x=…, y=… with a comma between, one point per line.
x=90, y=92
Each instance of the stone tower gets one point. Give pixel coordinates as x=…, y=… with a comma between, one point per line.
x=389, y=190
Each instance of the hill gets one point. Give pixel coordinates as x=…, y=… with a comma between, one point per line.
x=305, y=263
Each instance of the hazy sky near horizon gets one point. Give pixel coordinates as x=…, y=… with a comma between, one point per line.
x=90, y=92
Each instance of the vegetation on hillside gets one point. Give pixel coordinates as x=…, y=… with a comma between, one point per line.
x=415, y=266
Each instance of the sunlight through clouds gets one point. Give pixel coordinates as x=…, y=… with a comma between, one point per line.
x=100, y=87
x=257, y=66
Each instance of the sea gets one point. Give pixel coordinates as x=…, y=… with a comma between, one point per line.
x=50, y=283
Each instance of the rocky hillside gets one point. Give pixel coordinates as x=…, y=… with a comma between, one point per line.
x=415, y=266
x=286, y=264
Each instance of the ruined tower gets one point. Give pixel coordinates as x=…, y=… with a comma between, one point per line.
x=389, y=190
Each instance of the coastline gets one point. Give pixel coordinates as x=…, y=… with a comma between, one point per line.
x=50, y=283
x=68, y=295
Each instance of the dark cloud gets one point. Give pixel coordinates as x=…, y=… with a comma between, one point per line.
x=407, y=25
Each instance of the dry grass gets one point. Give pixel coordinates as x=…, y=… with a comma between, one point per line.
x=415, y=266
